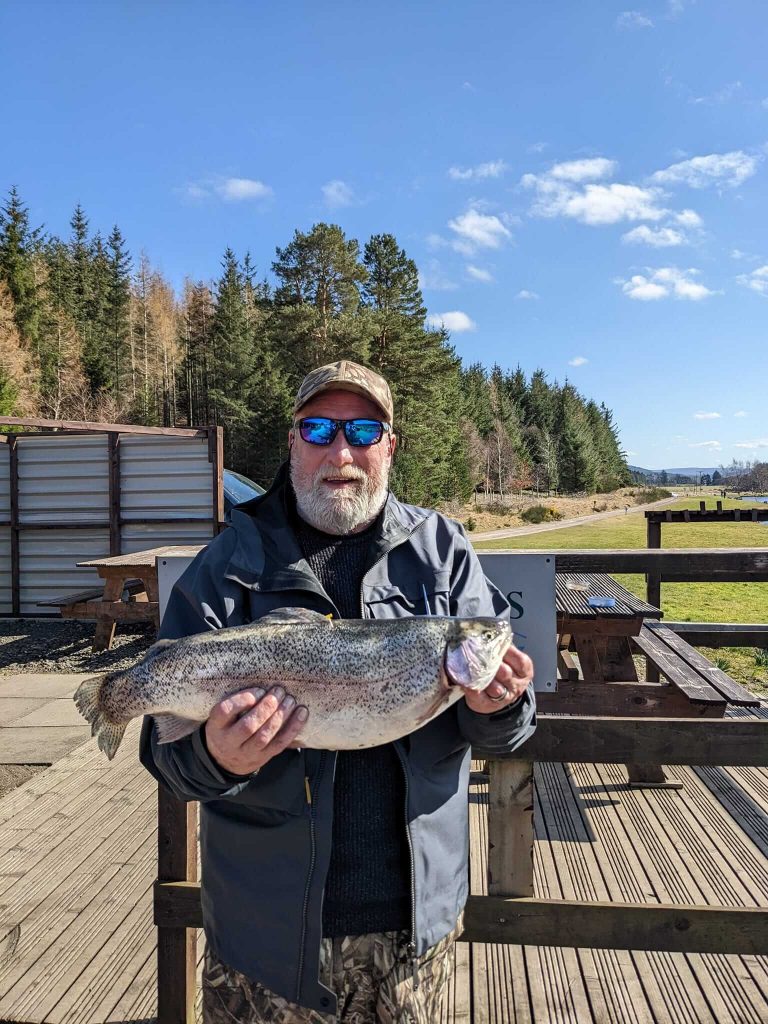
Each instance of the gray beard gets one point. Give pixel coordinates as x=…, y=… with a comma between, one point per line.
x=337, y=512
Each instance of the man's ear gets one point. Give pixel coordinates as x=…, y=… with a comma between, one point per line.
x=290, y=439
x=392, y=444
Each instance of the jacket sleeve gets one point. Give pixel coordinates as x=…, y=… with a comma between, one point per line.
x=472, y=593
x=201, y=599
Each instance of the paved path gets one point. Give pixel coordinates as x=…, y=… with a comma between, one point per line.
x=39, y=723
x=521, y=531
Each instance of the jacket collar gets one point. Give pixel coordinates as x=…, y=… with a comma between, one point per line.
x=267, y=555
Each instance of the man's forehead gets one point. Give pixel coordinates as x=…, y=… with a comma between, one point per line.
x=340, y=405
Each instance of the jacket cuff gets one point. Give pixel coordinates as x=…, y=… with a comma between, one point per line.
x=225, y=777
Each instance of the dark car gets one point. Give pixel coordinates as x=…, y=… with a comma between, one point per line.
x=237, y=489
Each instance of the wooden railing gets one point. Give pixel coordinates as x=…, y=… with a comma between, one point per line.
x=511, y=913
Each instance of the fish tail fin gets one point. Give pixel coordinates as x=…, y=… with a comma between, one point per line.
x=108, y=733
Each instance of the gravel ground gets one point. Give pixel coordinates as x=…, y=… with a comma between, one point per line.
x=64, y=645
x=12, y=775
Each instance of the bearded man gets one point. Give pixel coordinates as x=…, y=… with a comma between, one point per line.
x=333, y=883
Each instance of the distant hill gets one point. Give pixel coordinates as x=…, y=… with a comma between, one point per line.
x=678, y=475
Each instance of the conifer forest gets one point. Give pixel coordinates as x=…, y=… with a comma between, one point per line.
x=88, y=332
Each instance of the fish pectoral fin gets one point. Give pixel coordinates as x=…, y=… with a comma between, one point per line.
x=444, y=698
x=173, y=727
x=282, y=616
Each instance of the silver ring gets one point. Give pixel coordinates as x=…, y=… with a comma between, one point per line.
x=501, y=696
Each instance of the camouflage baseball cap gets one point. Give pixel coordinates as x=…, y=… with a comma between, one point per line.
x=345, y=375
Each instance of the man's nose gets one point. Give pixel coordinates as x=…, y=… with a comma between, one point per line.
x=340, y=451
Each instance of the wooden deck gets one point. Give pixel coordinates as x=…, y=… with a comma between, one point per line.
x=77, y=862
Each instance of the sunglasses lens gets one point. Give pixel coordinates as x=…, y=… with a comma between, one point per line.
x=363, y=432
x=319, y=430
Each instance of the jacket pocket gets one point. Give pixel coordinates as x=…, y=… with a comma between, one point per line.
x=422, y=593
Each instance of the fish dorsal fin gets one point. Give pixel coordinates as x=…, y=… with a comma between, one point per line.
x=157, y=647
x=301, y=616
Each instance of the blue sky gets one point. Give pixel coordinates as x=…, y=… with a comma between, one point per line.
x=583, y=184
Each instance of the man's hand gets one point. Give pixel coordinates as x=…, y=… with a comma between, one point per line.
x=246, y=730
x=515, y=675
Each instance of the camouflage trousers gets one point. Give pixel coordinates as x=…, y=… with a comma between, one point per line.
x=370, y=975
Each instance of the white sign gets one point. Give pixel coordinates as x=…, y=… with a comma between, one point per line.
x=528, y=583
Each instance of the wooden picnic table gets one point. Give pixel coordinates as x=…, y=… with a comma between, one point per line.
x=136, y=571
x=605, y=639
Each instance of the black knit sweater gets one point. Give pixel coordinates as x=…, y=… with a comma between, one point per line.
x=368, y=884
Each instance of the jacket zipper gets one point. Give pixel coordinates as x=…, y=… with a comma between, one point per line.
x=410, y=949
x=312, y=856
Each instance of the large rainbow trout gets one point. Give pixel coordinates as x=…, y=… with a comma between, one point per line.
x=364, y=681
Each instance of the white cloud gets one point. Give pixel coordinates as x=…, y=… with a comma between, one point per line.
x=757, y=281
x=433, y=278
x=479, y=274
x=715, y=446
x=664, y=282
x=228, y=189
x=737, y=254
x=759, y=442
x=236, y=189
x=592, y=169
x=688, y=219
x=338, y=193
x=723, y=95
x=659, y=238
x=525, y=294
x=594, y=204
x=578, y=361
x=492, y=169
x=478, y=230
x=633, y=19
x=539, y=147
x=706, y=415
x=740, y=414
x=454, y=320
x=725, y=169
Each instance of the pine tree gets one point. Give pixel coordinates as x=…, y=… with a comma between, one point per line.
x=19, y=245
x=318, y=317
x=117, y=310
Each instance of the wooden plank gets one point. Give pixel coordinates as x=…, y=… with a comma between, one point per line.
x=695, y=563
x=678, y=672
x=86, y=425
x=113, y=444
x=176, y=946
x=626, y=699
x=581, y=923
x=510, y=828
x=731, y=690
x=718, y=515
x=721, y=634
x=13, y=452
x=601, y=739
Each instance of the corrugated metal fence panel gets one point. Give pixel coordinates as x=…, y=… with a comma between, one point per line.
x=165, y=476
x=139, y=536
x=48, y=558
x=5, y=570
x=63, y=479
x=5, y=482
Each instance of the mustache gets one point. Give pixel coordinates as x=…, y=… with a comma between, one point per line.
x=340, y=474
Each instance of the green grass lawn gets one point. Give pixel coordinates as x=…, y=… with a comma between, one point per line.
x=681, y=602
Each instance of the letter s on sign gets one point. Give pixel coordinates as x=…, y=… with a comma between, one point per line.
x=517, y=608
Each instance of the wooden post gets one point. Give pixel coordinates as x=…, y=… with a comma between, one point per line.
x=176, y=947
x=113, y=441
x=13, y=451
x=653, y=591
x=510, y=828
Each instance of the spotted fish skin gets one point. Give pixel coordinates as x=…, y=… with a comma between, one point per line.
x=364, y=682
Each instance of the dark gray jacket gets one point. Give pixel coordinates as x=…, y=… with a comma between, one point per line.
x=265, y=846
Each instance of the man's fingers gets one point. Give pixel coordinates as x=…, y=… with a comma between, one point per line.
x=290, y=730
x=250, y=724
x=227, y=711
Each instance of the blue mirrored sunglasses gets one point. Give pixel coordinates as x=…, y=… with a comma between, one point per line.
x=359, y=433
